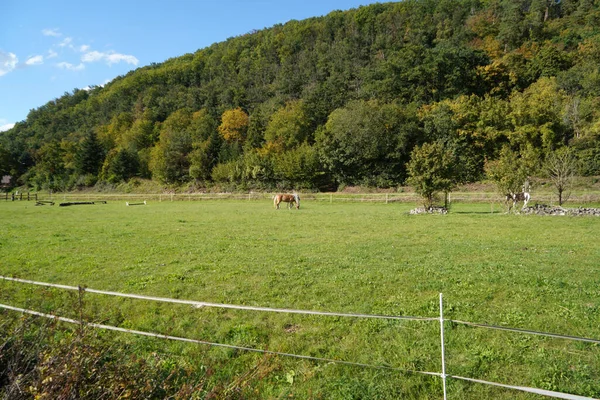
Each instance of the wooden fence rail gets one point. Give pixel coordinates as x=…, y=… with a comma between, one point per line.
x=402, y=197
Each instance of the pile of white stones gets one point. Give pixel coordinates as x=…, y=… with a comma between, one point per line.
x=542, y=209
x=429, y=210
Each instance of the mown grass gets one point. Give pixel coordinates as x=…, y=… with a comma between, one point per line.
x=530, y=272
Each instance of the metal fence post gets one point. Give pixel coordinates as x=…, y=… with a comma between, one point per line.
x=443, y=348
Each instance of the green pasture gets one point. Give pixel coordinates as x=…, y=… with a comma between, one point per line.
x=531, y=272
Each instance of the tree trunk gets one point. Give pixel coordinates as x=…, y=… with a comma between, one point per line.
x=560, y=201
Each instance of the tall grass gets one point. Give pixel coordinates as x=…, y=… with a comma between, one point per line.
x=531, y=272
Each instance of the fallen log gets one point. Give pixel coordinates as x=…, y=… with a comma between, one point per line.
x=75, y=203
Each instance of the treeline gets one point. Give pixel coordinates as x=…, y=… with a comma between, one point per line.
x=343, y=99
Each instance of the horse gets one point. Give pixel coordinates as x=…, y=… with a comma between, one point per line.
x=516, y=198
x=291, y=199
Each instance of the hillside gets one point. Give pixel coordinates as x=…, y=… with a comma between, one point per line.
x=337, y=100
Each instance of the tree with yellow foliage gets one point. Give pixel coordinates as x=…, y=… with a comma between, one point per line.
x=234, y=125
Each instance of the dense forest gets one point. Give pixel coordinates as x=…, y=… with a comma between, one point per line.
x=345, y=99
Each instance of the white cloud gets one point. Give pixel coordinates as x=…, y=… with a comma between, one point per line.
x=70, y=67
x=52, y=54
x=92, y=56
x=35, y=60
x=84, y=48
x=51, y=32
x=117, y=58
x=6, y=127
x=8, y=62
x=66, y=42
x=109, y=57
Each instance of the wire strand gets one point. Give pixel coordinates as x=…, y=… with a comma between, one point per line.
x=543, y=392
x=229, y=346
x=527, y=331
x=548, y=393
x=200, y=304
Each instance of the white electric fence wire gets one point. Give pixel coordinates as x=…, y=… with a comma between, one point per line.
x=548, y=393
x=542, y=392
x=527, y=331
x=200, y=304
x=229, y=346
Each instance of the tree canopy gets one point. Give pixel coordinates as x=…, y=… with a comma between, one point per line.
x=335, y=100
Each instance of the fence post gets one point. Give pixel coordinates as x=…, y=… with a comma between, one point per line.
x=331, y=197
x=81, y=293
x=443, y=349
x=386, y=198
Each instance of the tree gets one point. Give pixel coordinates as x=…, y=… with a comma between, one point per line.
x=120, y=165
x=431, y=169
x=561, y=166
x=537, y=115
x=367, y=143
x=204, y=157
x=511, y=170
x=90, y=156
x=298, y=168
x=169, y=158
x=6, y=161
x=234, y=125
x=288, y=126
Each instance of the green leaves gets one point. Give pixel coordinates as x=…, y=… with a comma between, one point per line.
x=483, y=73
x=432, y=168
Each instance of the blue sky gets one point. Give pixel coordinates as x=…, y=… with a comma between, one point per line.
x=48, y=48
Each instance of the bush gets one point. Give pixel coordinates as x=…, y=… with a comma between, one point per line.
x=41, y=360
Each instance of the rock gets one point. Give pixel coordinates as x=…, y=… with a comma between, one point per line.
x=542, y=209
x=429, y=210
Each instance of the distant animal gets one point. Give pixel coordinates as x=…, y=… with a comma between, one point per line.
x=291, y=199
x=517, y=198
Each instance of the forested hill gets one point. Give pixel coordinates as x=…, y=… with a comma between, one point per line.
x=339, y=99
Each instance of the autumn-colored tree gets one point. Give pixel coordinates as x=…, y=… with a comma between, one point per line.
x=234, y=125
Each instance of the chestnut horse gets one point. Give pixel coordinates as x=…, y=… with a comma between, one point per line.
x=291, y=199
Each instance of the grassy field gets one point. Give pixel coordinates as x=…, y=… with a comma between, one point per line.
x=539, y=273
